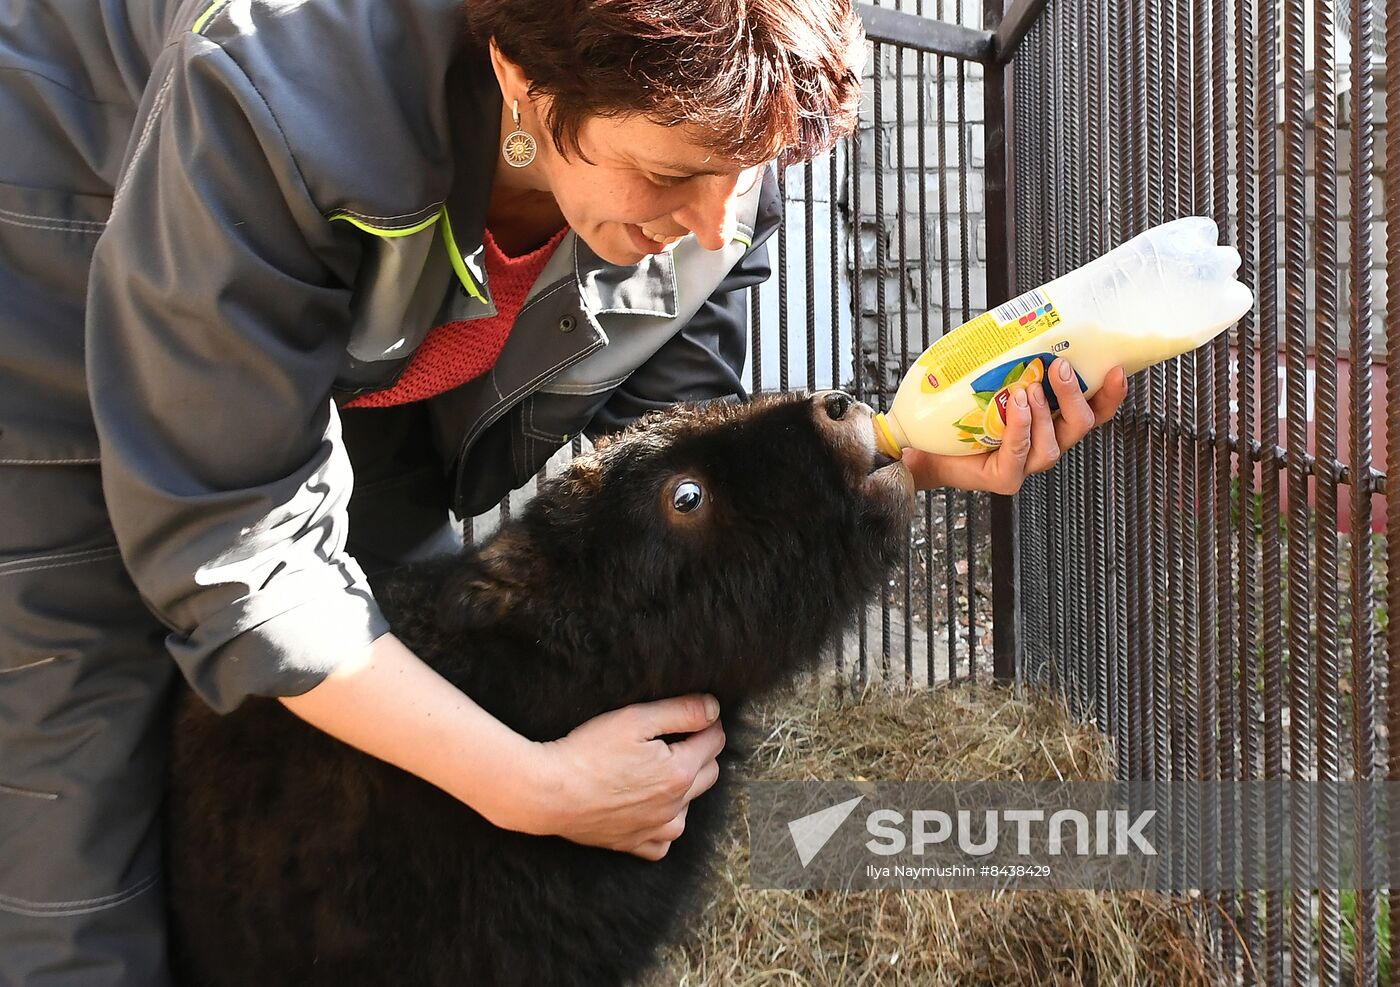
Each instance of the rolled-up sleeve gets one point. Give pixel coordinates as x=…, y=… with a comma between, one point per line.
x=218, y=310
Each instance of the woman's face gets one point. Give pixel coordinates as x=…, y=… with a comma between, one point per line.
x=638, y=187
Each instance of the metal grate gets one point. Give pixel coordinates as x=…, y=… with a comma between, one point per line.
x=1201, y=577
x=897, y=254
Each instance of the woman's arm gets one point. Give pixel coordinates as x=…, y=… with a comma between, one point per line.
x=610, y=783
x=218, y=314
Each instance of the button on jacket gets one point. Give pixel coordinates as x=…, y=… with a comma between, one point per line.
x=276, y=200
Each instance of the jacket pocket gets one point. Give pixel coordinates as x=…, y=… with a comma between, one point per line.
x=47, y=239
x=53, y=210
x=552, y=419
x=548, y=422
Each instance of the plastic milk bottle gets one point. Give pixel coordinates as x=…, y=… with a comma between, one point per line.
x=1163, y=293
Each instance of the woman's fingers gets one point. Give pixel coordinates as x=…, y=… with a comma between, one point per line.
x=1045, y=444
x=678, y=714
x=622, y=787
x=696, y=752
x=704, y=781
x=1006, y=468
x=658, y=843
x=1076, y=417
x=1110, y=397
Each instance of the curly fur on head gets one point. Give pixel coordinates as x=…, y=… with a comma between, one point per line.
x=702, y=550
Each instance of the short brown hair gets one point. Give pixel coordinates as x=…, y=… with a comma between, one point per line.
x=757, y=78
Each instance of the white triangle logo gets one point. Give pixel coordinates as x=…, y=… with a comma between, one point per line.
x=810, y=833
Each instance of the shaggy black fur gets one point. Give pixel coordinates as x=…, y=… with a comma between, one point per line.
x=295, y=860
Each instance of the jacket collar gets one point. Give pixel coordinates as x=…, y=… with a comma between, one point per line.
x=648, y=288
x=474, y=111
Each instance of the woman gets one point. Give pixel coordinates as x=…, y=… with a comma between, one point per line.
x=250, y=247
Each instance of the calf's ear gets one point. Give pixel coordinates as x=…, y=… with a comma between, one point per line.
x=479, y=595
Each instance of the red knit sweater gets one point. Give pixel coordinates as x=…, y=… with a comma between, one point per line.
x=456, y=352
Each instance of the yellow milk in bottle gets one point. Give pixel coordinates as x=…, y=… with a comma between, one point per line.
x=1163, y=293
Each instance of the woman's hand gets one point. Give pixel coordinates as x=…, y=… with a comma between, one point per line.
x=611, y=783
x=1033, y=440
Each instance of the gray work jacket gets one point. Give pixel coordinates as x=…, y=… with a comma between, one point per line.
x=289, y=194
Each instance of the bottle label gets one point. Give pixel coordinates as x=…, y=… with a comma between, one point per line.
x=985, y=338
x=992, y=390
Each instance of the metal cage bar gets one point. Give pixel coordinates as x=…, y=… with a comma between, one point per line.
x=1214, y=599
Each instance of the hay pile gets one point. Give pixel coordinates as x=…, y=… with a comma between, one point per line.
x=932, y=938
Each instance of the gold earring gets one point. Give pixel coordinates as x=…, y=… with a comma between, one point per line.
x=519, y=147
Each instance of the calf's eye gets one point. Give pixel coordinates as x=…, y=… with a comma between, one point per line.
x=688, y=496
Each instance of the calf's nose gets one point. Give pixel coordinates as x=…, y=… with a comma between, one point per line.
x=837, y=404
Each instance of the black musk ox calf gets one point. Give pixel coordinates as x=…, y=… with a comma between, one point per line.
x=715, y=550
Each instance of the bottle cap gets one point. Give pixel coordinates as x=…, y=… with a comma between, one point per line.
x=884, y=439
